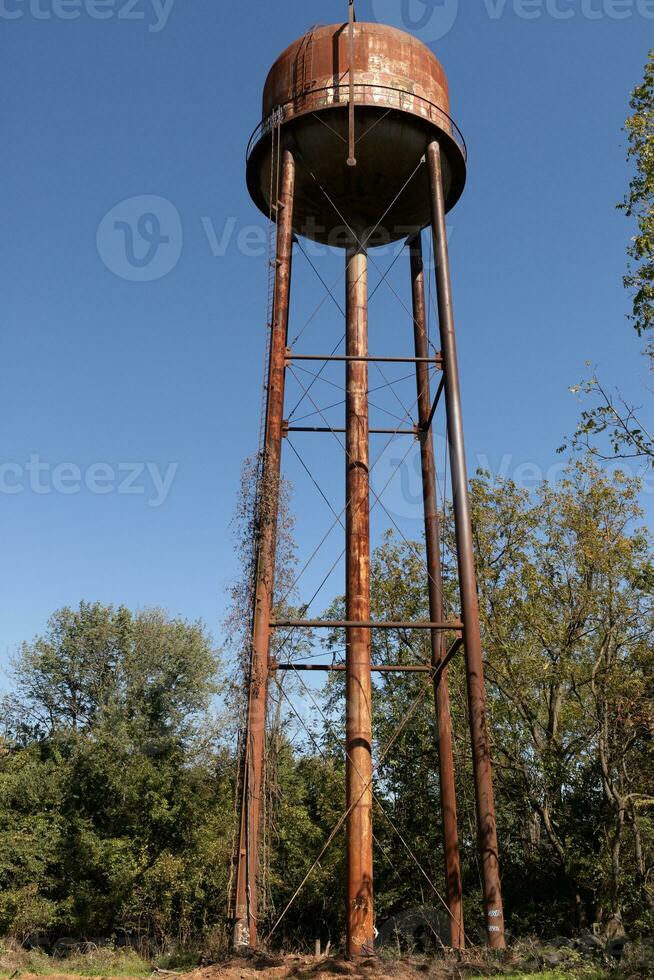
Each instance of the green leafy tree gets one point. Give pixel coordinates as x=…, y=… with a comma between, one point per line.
x=566, y=594
x=613, y=427
x=115, y=785
x=639, y=203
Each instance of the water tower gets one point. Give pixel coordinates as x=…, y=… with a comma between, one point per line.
x=357, y=148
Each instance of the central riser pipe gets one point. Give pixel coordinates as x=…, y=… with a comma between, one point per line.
x=360, y=925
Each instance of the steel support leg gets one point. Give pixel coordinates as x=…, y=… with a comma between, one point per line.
x=360, y=925
x=438, y=640
x=246, y=906
x=487, y=829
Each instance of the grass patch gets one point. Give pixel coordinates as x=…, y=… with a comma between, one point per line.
x=182, y=960
x=556, y=975
x=103, y=962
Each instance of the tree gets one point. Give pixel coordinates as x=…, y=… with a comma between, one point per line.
x=97, y=665
x=566, y=593
x=613, y=420
x=566, y=596
x=117, y=779
x=639, y=203
x=115, y=785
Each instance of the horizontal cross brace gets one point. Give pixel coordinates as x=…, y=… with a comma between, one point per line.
x=437, y=360
x=384, y=669
x=337, y=624
x=372, y=432
x=422, y=669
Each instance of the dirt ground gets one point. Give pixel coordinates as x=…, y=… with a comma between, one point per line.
x=310, y=968
x=299, y=968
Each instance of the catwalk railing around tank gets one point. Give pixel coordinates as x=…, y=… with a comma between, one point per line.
x=389, y=98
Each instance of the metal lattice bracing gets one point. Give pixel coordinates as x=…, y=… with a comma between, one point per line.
x=328, y=165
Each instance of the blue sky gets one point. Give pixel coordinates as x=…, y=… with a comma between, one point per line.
x=154, y=387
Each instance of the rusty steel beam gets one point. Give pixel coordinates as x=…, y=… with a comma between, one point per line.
x=325, y=430
x=436, y=612
x=486, y=821
x=419, y=669
x=360, y=922
x=341, y=624
x=370, y=358
x=246, y=905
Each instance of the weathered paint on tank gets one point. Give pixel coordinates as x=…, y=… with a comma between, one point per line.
x=402, y=103
x=308, y=74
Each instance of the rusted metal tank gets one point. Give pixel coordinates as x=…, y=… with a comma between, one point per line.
x=401, y=99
